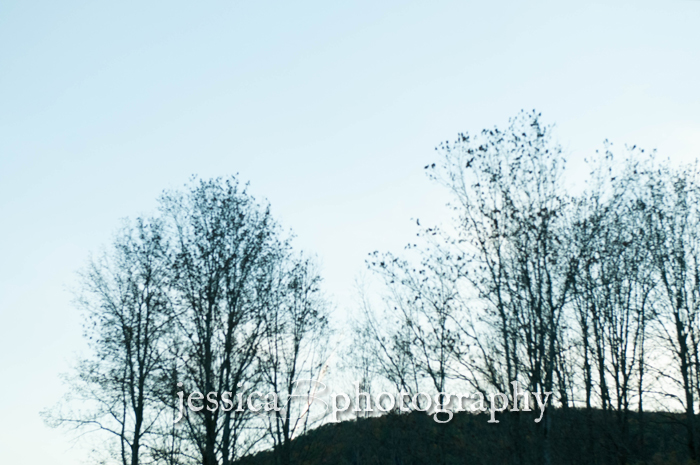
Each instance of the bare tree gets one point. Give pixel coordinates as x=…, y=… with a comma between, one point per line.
x=506, y=256
x=511, y=210
x=129, y=318
x=381, y=347
x=224, y=243
x=426, y=300
x=293, y=352
x=676, y=246
x=614, y=289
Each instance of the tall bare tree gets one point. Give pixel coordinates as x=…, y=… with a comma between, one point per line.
x=675, y=213
x=129, y=321
x=224, y=244
x=614, y=287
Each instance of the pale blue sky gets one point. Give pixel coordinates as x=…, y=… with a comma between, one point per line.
x=329, y=109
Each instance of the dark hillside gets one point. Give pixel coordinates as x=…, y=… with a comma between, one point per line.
x=415, y=439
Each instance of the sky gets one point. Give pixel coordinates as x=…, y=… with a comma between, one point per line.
x=329, y=109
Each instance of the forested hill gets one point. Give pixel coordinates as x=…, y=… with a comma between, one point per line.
x=577, y=437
